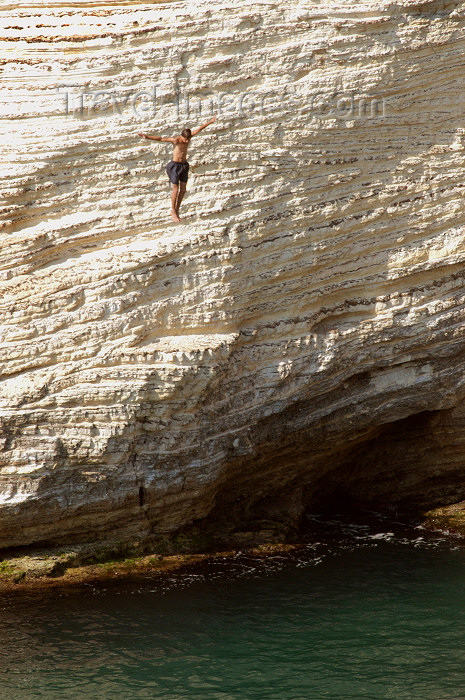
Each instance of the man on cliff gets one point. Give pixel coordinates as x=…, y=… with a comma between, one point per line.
x=178, y=167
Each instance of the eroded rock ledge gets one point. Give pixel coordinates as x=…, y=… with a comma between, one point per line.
x=299, y=339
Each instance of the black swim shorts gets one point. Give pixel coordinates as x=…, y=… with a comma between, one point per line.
x=177, y=172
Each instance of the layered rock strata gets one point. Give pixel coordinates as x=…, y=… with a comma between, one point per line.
x=278, y=345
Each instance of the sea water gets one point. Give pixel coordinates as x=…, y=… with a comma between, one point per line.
x=361, y=611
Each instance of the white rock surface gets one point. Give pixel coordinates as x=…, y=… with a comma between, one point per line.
x=152, y=374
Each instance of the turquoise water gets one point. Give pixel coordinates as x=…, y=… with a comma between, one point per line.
x=362, y=612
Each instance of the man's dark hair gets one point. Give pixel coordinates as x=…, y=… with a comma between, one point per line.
x=187, y=133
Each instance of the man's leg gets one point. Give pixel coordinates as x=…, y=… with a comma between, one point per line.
x=174, y=203
x=182, y=191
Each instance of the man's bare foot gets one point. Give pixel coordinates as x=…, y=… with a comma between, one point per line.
x=175, y=217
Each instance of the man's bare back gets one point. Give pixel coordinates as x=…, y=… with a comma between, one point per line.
x=178, y=167
x=181, y=144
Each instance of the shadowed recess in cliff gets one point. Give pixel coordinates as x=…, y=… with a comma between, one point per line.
x=409, y=467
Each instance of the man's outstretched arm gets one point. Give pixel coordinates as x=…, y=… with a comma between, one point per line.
x=157, y=138
x=199, y=128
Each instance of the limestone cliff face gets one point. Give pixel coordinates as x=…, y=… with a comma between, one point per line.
x=276, y=347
